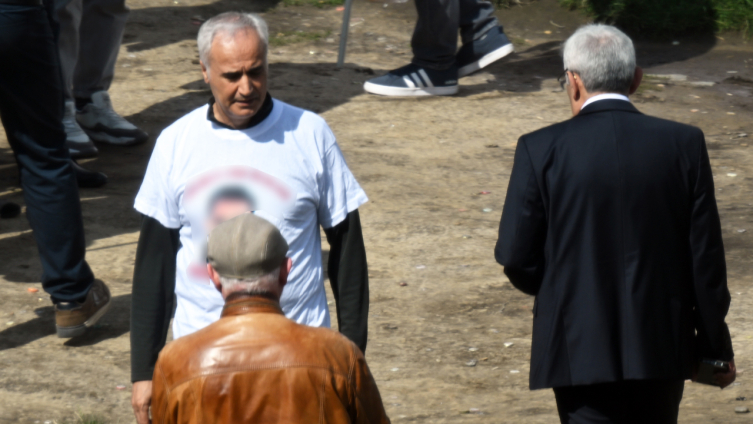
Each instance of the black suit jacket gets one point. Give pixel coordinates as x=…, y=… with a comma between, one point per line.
x=611, y=222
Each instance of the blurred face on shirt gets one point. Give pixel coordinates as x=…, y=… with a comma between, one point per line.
x=226, y=209
x=237, y=76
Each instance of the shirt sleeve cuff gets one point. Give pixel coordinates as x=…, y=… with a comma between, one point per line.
x=157, y=214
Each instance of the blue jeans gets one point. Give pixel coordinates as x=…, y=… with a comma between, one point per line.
x=435, y=38
x=31, y=109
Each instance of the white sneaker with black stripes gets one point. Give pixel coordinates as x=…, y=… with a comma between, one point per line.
x=414, y=80
x=104, y=125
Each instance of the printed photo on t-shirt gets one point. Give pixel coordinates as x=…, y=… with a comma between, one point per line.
x=219, y=194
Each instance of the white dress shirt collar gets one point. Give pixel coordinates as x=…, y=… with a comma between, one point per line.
x=606, y=96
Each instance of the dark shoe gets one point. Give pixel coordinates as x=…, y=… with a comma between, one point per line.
x=73, y=318
x=494, y=45
x=88, y=179
x=414, y=80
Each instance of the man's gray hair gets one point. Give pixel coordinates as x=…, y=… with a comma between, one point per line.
x=603, y=57
x=261, y=285
x=230, y=23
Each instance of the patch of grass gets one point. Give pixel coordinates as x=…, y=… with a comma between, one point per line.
x=670, y=17
x=324, y=3
x=649, y=84
x=87, y=419
x=504, y=4
x=735, y=15
x=317, y=3
x=518, y=41
x=291, y=37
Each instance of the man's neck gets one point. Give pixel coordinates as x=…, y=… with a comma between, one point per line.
x=242, y=296
x=222, y=117
x=241, y=303
x=215, y=114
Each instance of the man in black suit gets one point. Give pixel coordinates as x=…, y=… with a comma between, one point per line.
x=611, y=222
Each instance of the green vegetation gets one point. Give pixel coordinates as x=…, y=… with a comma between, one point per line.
x=324, y=3
x=317, y=3
x=87, y=419
x=670, y=17
x=506, y=3
x=291, y=37
x=735, y=15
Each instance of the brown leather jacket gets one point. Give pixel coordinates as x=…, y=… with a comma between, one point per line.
x=256, y=366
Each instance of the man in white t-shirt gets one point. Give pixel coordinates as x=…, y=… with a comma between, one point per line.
x=243, y=152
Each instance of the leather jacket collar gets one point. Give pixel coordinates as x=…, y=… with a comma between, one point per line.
x=251, y=304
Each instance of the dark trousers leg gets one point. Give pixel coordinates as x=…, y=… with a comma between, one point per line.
x=435, y=38
x=31, y=108
x=476, y=19
x=625, y=402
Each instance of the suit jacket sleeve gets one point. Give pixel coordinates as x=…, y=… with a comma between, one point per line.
x=522, y=231
x=349, y=278
x=712, y=297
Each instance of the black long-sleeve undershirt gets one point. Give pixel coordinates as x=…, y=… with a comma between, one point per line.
x=349, y=278
x=153, y=295
x=152, y=301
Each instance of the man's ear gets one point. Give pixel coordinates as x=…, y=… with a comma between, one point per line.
x=578, y=87
x=637, y=78
x=285, y=268
x=204, y=71
x=215, y=277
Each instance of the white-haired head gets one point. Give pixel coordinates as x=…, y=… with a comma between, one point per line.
x=228, y=24
x=603, y=57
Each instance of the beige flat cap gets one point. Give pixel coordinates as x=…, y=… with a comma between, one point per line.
x=246, y=246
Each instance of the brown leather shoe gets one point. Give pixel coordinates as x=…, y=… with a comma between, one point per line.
x=73, y=318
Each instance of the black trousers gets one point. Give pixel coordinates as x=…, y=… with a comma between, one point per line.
x=435, y=38
x=624, y=402
x=31, y=108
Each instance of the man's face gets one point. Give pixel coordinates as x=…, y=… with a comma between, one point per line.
x=226, y=209
x=237, y=75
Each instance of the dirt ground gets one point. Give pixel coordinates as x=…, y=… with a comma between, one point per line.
x=423, y=163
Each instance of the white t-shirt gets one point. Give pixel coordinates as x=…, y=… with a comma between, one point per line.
x=287, y=169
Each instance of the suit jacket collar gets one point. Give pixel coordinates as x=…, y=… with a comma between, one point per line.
x=608, y=105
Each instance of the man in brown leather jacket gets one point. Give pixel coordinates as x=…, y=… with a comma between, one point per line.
x=254, y=365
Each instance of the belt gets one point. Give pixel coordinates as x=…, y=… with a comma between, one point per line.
x=22, y=2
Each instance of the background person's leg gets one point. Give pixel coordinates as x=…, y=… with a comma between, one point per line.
x=435, y=38
x=432, y=71
x=101, y=31
x=31, y=106
x=484, y=40
x=592, y=404
x=68, y=17
x=624, y=402
x=656, y=401
x=476, y=19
